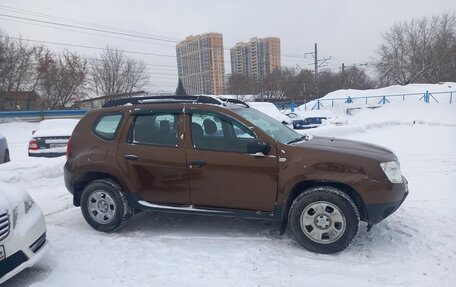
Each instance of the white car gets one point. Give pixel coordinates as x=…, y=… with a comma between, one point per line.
x=50, y=139
x=22, y=232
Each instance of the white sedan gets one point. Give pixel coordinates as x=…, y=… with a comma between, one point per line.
x=22, y=232
x=51, y=138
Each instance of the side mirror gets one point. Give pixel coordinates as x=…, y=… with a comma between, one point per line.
x=256, y=146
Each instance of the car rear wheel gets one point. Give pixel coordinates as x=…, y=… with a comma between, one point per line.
x=324, y=220
x=104, y=205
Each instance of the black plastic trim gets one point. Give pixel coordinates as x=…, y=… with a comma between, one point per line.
x=134, y=198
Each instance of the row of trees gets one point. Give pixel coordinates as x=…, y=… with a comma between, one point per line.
x=298, y=84
x=63, y=78
x=421, y=51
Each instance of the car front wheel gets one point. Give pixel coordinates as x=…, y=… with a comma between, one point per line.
x=104, y=205
x=324, y=220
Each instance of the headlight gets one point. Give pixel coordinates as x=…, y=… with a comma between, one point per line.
x=18, y=212
x=392, y=171
x=28, y=204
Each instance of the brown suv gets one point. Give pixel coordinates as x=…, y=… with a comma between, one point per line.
x=210, y=156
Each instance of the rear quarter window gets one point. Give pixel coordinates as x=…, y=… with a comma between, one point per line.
x=107, y=126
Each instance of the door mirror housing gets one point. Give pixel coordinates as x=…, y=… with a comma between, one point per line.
x=256, y=146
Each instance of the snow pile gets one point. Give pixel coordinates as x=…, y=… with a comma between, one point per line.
x=271, y=110
x=394, y=94
x=365, y=119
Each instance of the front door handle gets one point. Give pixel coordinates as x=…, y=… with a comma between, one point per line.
x=197, y=163
x=131, y=157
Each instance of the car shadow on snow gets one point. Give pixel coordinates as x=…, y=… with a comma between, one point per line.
x=198, y=226
x=388, y=236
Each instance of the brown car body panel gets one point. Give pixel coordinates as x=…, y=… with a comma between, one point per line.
x=159, y=175
x=225, y=180
x=231, y=180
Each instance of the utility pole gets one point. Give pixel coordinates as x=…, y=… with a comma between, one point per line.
x=343, y=74
x=317, y=64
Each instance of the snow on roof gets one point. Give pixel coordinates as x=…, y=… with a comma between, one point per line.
x=56, y=127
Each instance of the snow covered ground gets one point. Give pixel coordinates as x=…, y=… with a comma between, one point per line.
x=416, y=246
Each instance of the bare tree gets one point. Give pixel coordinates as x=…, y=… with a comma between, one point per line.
x=241, y=85
x=61, y=78
x=274, y=85
x=420, y=50
x=356, y=78
x=116, y=73
x=17, y=61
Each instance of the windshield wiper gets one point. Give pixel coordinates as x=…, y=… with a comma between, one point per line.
x=301, y=138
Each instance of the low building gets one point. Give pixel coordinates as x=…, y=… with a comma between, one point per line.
x=20, y=100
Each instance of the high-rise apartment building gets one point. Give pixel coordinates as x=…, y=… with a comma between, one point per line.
x=257, y=58
x=200, y=64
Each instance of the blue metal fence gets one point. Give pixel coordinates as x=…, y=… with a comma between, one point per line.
x=425, y=97
x=42, y=115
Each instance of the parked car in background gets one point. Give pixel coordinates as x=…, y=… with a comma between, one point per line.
x=204, y=156
x=271, y=110
x=51, y=138
x=300, y=122
x=22, y=232
x=4, y=150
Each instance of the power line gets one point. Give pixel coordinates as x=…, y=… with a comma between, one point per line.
x=43, y=15
x=91, y=33
x=88, y=47
x=87, y=28
x=103, y=30
x=91, y=47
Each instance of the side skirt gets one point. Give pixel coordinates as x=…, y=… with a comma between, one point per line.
x=137, y=202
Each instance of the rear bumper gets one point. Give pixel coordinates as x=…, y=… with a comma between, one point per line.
x=378, y=212
x=43, y=153
x=67, y=178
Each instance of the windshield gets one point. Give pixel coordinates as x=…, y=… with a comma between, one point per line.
x=270, y=126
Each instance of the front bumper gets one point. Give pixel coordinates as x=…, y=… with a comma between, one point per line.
x=378, y=212
x=25, y=245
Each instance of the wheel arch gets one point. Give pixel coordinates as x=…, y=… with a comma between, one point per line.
x=86, y=178
x=299, y=187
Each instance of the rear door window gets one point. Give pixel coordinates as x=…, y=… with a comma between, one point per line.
x=108, y=125
x=155, y=129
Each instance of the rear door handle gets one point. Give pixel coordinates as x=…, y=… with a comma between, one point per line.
x=197, y=163
x=131, y=157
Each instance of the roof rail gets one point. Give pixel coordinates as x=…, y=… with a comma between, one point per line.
x=233, y=101
x=163, y=99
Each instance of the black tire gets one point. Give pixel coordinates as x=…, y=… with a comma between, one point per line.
x=320, y=213
x=7, y=156
x=120, y=211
